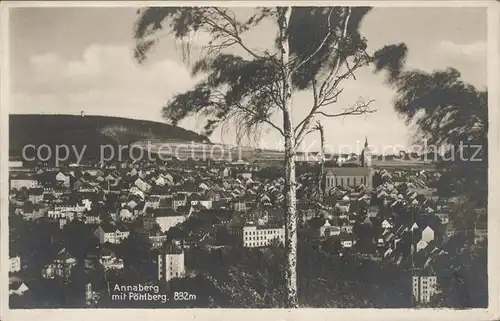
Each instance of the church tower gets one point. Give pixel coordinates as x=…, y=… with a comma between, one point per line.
x=366, y=155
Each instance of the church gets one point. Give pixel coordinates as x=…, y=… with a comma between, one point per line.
x=351, y=176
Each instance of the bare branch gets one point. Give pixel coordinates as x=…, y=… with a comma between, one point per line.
x=266, y=120
x=251, y=112
x=313, y=129
x=215, y=48
x=330, y=98
x=336, y=65
x=359, y=108
x=324, y=96
x=230, y=33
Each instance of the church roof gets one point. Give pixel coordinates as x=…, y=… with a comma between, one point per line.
x=348, y=171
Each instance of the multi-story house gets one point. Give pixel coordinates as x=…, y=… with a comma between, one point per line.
x=63, y=179
x=171, y=265
x=179, y=200
x=57, y=214
x=258, y=236
x=151, y=202
x=92, y=218
x=201, y=200
x=111, y=234
x=15, y=263
x=329, y=230
x=157, y=240
x=25, y=181
x=60, y=267
x=109, y=260
x=424, y=287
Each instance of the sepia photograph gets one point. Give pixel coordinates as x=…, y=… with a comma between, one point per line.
x=247, y=156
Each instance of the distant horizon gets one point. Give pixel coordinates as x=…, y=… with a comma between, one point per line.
x=211, y=142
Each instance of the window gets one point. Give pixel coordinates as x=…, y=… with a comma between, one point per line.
x=348, y=181
x=342, y=182
x=354, y=181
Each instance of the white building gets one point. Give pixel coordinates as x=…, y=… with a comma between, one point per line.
x=63, y=179
x=15, y=164
x=386, y=224
x=421, y=245
x=111, y=234
x=167, y=220
x=15, y=264
x=17, y=288
x=20, y=182
x=424, y=287
x=109, y=260
x=207, y=203
x=257, y=236
x=346, y=243
x=428, y=234
x=329, y=230
x=171, y=265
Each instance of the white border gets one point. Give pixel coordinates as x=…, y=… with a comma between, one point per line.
x=272, y=314
x=240, y=3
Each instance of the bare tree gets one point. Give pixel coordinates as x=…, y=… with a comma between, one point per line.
x=317, y=48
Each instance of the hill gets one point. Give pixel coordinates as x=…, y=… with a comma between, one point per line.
x=89, y=131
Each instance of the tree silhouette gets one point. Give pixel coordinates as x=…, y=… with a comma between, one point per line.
x=316, y=48
x=451, y=116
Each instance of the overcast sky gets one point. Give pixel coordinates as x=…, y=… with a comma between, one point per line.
x=68, y=60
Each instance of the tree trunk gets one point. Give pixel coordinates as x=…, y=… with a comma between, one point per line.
x=321, y=193
x=291, y=300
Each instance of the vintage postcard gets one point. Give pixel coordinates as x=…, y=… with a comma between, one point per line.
x=294, y=159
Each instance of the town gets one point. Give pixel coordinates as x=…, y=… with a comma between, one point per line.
x=214, y=231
